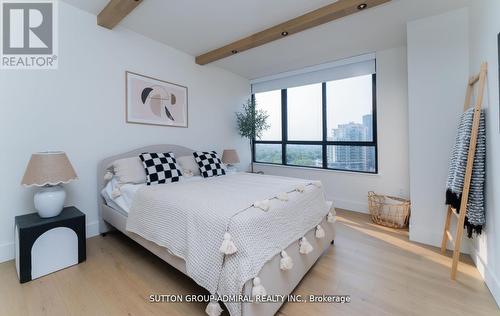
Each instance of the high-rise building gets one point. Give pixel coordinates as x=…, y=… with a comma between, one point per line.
x=368, y=122
x=350, y=132
x=353, y=157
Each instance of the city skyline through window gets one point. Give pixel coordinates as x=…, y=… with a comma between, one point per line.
x=330, y=125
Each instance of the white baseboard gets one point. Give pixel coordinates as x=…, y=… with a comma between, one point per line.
x=7, y=250
x=489, y=277
x=92, y=229
x=360, y=207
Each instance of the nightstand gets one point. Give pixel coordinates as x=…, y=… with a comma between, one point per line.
x=46, y=245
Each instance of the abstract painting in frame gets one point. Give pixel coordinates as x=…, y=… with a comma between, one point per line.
x=155, y=102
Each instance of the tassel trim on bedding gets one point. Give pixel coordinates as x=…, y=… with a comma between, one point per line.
x=300, y=188
x=213, y=309
x=283, y=196
x=228, y=247
x=330, y=218
x=258, y=289
x=263, y=205
x=455, y=201
x=305, y=247
x=286, y=262
x=320, y=232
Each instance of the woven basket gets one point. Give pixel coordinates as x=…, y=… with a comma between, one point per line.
x=388, y=210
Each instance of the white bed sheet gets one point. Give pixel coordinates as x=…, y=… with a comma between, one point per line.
x=127, y=192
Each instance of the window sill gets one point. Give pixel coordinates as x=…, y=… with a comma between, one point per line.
x=318, y=169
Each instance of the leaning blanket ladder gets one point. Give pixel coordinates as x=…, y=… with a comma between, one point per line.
x=447, y=236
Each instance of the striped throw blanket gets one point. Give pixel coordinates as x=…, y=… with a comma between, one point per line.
x=475, y=217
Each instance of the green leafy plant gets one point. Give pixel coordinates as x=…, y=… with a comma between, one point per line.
x=252, y=122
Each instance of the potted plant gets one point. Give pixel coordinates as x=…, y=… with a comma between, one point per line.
x=252, y=122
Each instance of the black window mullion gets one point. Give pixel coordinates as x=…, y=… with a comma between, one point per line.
x=254, y=141
x=325, y=130
x=318, y=142
x=284, y=125
x=350, y=143
x=374, y=118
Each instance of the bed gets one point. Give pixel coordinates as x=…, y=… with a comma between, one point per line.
x=275, y=280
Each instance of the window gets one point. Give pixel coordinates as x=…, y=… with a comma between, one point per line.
x=270, y=153
x=349, y=109
x=304, y=155
x=329, y=125
x=271, y=103
x=304, y=102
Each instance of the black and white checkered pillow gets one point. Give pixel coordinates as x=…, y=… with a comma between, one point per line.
x=210, y=164
x=160, y=168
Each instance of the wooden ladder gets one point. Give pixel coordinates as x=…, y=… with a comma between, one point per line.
x=447, y=236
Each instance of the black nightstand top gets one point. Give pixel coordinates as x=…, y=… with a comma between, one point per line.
x=32, y=220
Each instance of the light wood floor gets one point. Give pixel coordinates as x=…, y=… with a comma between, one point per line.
x=379, y=268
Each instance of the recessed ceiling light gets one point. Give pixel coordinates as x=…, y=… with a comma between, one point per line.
x=284, y=33
x=362, y=6
x=234, y=51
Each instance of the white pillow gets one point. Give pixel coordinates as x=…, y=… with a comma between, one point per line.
x=129, y=170
x=188, y=165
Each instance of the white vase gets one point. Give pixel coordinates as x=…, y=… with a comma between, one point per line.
x=49, y=201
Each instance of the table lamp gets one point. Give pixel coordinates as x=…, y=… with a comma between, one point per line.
x=48, y=170
x=230, y=157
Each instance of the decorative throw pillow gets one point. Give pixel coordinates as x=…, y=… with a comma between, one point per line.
x=188, y=166
x=129, y=170
x=160, y=168
x=210, y=164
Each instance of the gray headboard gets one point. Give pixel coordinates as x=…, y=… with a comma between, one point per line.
x=104, y=164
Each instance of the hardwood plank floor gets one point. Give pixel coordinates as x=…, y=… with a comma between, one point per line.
x=379, y=268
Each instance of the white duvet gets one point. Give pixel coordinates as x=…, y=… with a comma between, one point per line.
x=190, y=219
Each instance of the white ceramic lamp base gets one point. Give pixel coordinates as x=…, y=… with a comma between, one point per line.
x=49, y=201
x=231, y=169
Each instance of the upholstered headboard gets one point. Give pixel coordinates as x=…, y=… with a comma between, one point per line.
x=104, y=164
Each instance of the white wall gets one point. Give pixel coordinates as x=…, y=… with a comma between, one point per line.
x=349, y=190
x=484, y=29
x=438, y=69
x=80, y=108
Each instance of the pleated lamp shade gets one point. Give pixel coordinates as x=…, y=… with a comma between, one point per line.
x=48, y=168
x=230, y=156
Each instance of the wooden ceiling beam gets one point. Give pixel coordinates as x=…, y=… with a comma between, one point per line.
x=325, y=14
x=115, y=11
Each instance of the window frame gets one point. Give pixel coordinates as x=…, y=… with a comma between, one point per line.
x=324, y=143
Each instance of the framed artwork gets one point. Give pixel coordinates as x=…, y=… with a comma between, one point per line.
x=155, y=102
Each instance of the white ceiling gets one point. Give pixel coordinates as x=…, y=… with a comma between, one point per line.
x=197, y=26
